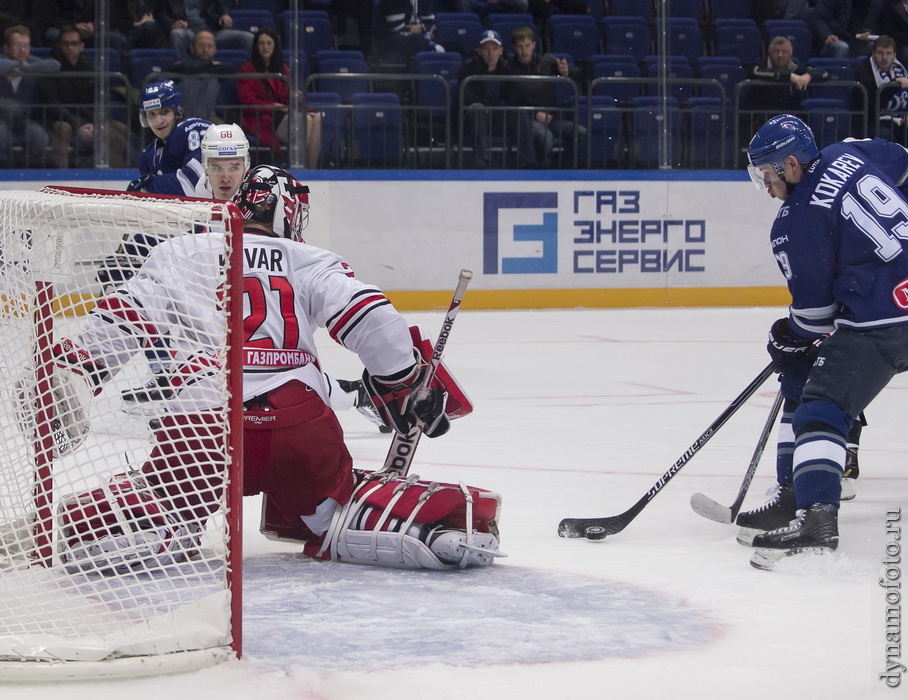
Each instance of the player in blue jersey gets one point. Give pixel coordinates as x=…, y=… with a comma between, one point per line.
x=172, y=162
x=840, y=239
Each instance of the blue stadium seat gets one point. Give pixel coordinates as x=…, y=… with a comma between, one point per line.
x=616, y=66
x=678, y=68
x=334, y=118
x=647, y=127
x=684, y=37
x=143, y=62
x=601, y=116
x=377, y=127
x=743, y=41
x=726, y=70
x=706, y=137
x=458, y=31
x=731, y=9
x=505, y=24
x=627, y=38
x=797, y=32
x=315, y=31
x=695, y=9
x=829, y=120
x=251, y=20
x=114, y=59
x=635, y=8
x=345, y=87
x=235, y=57
x=432, y=94
x=576, y=35
x=839, y=70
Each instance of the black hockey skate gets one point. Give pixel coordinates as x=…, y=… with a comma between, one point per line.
x=156, y=389
x=363, y=403
x=777, y=512
x=814, y=531
x=852, y=472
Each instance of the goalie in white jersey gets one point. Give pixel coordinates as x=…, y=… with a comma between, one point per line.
x=294, y=453
x=225, y=160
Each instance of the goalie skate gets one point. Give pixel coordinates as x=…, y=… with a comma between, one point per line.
x=120, y=527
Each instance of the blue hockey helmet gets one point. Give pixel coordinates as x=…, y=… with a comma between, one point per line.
x=782, y=136
x=159, y=96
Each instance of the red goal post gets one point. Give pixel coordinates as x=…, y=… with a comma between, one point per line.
x=62, y=614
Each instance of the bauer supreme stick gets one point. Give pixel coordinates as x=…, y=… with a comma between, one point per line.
x=707, y=507
x=403, y=447
x=598, y=528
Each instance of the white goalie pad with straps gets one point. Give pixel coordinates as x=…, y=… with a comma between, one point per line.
x=413, y=524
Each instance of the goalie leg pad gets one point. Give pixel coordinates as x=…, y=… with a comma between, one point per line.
x=408, y=523
x=122, y=526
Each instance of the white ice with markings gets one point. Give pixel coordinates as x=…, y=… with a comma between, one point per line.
x=577, y=414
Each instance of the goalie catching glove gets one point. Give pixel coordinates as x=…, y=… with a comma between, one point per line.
x=403, y=402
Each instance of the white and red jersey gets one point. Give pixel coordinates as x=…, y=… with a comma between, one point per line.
x=289, y=290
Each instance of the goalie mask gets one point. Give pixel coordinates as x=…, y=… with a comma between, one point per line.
x=272, y=196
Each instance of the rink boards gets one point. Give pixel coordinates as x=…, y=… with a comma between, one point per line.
x=535, y=240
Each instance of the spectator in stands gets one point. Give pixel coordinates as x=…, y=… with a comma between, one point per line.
x=547, y=123
x=409, y=27
x=543, y=9
x=201, y=94
x=479, y=95
x=886, y=80
x=183, y=18
x=269, y=99
x=786, y=80
x=71, y=102
x=17, y=95
x=894, y=23
x=484, y=8
x=53, y=14
x=133, y=26
x=829, y=25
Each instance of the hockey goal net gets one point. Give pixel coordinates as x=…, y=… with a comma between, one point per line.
x=102, y=572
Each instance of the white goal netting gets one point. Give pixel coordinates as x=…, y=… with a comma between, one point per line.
x=120, y=417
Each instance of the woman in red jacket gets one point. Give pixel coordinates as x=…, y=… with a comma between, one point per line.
x=270, y=126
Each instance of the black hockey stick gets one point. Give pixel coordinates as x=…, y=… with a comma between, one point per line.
x=403, y=447
x=707, y=507
x=598, y=528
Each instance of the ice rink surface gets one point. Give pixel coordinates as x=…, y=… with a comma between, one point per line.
x=578, y=413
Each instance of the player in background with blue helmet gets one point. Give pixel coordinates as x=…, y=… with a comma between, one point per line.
x=840, y=239
x=172, y=162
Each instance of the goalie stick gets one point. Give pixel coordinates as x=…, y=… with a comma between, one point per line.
x=707, y=507
x=598, y=528
x=403, y=447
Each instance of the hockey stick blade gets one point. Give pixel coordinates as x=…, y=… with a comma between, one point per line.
x=403, y=447
x=599, y=528
x=710, y=509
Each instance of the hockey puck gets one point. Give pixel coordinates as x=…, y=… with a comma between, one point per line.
x=595, y=532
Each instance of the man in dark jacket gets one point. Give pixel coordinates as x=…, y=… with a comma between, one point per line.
x=894, y=23
x=479, y=95
x=785, y=80
x=71, y=104
x=183, y=18
x=829, y=25
x=554, y=122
